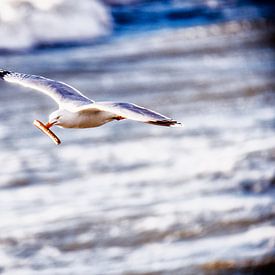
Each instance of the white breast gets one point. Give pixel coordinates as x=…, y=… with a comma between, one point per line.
x=86, y=119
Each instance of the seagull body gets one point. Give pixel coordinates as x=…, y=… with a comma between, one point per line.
x=78, y=111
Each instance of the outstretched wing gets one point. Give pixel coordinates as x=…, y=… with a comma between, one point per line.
x=65, y=95
x=129, y=111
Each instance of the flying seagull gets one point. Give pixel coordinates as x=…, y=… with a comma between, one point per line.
x=78, y=111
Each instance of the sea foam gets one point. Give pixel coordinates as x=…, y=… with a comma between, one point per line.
x=29, y=23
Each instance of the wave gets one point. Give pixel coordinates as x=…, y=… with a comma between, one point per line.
x=30, y=23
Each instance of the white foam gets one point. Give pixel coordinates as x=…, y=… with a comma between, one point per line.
x=24, y=24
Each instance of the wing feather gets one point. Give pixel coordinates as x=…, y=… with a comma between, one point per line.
x=63, y=94
x=129, y=111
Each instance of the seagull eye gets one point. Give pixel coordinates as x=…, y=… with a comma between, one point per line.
x=58, y=117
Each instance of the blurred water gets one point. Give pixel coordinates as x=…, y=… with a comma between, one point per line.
x=128, y=198
x=33, y=24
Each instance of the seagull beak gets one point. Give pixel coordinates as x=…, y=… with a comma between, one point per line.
x=50, y=124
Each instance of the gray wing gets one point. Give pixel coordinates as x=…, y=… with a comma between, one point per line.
x=65, y=95
x=130, y=111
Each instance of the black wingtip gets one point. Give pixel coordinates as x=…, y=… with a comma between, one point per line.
x=3, y=73
x=169, y=123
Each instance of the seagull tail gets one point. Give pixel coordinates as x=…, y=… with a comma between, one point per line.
x=168, y=123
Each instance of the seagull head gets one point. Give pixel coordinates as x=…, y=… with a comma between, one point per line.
x=56, y=118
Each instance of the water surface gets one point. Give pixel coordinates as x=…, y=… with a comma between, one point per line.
x=130, y=198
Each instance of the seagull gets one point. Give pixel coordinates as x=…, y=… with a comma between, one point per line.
x=78, y=111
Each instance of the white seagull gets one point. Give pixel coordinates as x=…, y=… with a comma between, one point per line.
x=78, y=111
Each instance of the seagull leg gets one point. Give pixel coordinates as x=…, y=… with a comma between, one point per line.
x=119, y=117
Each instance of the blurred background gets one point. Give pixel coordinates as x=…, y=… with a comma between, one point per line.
x=130, y=198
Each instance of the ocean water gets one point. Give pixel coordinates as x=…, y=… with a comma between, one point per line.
x=130, y=198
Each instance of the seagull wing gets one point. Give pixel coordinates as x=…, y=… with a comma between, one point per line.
x=129, y=111
x=64, y=95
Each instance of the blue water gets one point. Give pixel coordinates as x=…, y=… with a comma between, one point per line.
x=25, y=26
x=152, y=15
